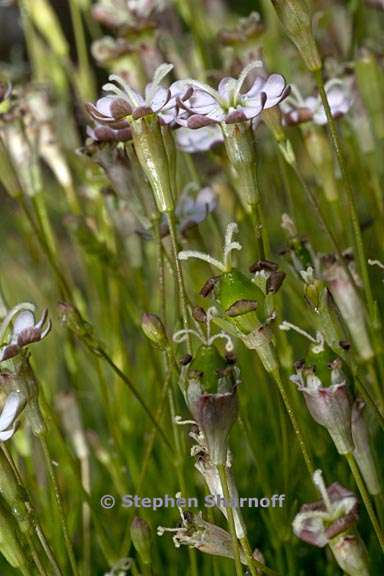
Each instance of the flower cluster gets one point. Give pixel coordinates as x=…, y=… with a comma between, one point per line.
x=189, y=103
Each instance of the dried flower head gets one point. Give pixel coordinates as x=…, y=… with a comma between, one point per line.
x=247, y=30
x=25, y=330
x=202, y=535
x=132, y=15
x=319, y=522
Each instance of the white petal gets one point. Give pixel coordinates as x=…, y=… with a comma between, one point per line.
x=103, y=105
x=226, y=86
x=7, y=434
x=12, y=407
x=23, y=321
x=274, y=85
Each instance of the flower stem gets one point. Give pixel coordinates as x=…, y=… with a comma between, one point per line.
x=86, y=80
x=291, y=413
x=231, y=523
x=39, y=532
x=134, y=391
x=365, y=497
x=179, y=276
x=59, y=502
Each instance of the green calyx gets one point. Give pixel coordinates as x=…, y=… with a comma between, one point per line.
x=154, y=159
x=239, y=298
x=208, y=361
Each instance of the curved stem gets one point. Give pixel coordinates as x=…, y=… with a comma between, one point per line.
x=134, y=391
x=231, y=523
x=365, y=497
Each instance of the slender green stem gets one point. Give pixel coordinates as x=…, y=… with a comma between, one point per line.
x=39, y=531
x=86, y=517
x=134, y=391
x=294, y=421
x=179, y=276
x=231, y=522
x=179, y=466
x=35, y=556
x=365, y=497
x=160, y=266
x=82, y=51
x=59, y=502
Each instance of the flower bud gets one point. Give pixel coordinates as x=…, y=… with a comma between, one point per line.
x=154, y=330
x=351, y=555
x=349, y=304
x=141, y=539
x=329, y=406
x=296, y=18
x=362, y=452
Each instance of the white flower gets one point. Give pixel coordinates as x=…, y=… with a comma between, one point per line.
x=199, y=140
x=25, y=329
x=202, y=105
x=297, y=109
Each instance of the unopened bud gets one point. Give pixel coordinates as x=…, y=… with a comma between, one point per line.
x=349, y=304
x=296, y=18
x=362, y=452
x=154, y=330
x=141, y=538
